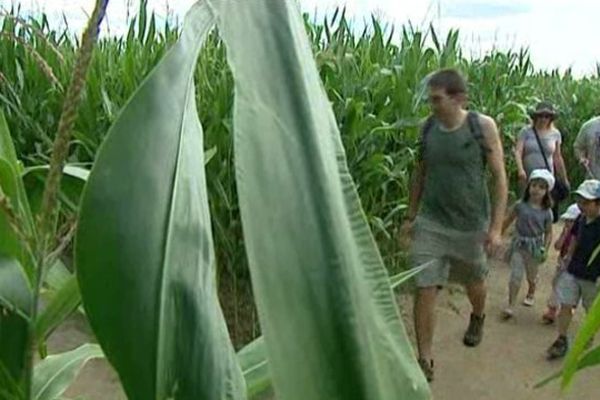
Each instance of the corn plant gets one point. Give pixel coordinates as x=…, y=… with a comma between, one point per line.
x=29, y=249
x=372, y=78
x=144, y=250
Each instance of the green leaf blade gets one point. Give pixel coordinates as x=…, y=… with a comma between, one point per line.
x=54, y=374
x=331, y=327
x=144, y=251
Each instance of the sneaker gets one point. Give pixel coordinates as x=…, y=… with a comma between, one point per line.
x=427, y=368
x=507, y=313
x=529, y=301
x=474, y=332
x=559, y=348
x=549, y=316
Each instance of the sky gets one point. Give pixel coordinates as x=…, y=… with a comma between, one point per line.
x=558, y=33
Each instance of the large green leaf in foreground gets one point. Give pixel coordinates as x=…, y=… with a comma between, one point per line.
x=331, y=327
x=144, y=249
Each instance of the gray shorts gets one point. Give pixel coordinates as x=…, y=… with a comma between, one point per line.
x=523, y=264
x=455, y=256
x=571, y=289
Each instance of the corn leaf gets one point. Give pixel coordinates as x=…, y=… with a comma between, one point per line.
x=13, y=342
x=253, y=361
x=253, y=356
x=54, y=374
x=62, y=304
x=15, y=292
x=144, y=248
x=16, y=267
x=589, y=327
x=331, y=327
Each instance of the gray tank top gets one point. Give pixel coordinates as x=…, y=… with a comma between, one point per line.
x=455, y=192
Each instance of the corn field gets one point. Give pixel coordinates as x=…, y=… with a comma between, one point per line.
x=373, y=80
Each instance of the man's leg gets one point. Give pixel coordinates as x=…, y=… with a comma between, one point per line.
x=477, y=292
x=424, y=314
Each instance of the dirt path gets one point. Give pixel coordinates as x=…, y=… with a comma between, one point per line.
x=506, y=365
x=511, y=358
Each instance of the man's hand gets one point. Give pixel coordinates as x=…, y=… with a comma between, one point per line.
x=493, y=242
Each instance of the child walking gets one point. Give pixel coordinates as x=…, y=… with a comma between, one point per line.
x=533, y=236
x=580, y=281
x=562, y=244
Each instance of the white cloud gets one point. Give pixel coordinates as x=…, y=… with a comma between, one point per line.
x=559, y=33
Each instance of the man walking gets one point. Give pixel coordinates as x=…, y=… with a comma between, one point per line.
x=587, y=147
x=449, y=218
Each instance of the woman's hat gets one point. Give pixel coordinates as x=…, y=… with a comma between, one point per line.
x=543, y=108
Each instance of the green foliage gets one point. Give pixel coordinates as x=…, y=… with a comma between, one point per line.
x=373, y=79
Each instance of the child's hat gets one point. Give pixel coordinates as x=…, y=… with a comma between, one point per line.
x=589, y=189
x=571, y=213
x=544, y=175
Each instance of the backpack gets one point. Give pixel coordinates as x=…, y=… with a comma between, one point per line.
x=474, y=128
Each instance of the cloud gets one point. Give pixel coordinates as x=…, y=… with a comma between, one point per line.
x=556, y=31
x=478, y=10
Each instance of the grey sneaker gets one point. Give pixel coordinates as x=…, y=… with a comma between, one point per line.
x=427, y=368
x=474, y=332
x=559, y=348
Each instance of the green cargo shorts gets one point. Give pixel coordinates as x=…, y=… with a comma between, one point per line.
x=454, y=256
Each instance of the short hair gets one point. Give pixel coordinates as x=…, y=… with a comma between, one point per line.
x=449, y=79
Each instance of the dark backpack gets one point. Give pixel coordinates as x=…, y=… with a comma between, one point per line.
x=474, y=127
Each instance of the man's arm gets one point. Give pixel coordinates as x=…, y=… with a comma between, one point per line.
x=495, y=161
x=510, y=218
x=580, y=145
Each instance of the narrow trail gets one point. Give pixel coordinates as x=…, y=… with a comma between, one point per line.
x=507, y=364
x=511, y=358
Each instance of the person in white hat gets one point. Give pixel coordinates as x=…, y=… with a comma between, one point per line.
x=533, y=236
x=580, y=281
x=562, y=244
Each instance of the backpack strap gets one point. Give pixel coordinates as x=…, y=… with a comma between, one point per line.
x=477, y=132
x=425, y=129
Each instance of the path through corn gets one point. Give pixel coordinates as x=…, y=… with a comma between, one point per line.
x=507, y=364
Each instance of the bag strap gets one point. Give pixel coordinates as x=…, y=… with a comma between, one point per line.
x=424, y=135
x=477, y=132
x=539, y=142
